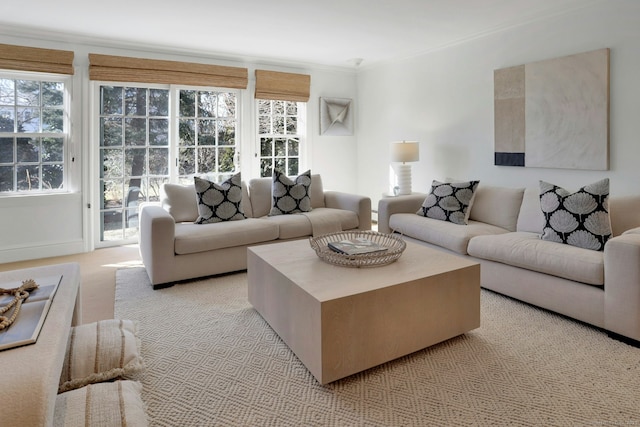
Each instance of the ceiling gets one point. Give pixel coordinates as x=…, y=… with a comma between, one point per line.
x=331, y=33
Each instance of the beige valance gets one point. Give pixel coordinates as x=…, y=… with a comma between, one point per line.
x=282, y=86
x=127, y=69
x=36, y=59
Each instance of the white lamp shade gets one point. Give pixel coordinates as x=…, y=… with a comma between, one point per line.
x=405, y=151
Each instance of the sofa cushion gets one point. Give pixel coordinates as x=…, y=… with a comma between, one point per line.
x=579, y=219
x=290, y=226
x=182, y=203
x=441, y=233
x=260, y=195
x=290, y=196
x=526, y=250
x=192, y=238
x=497, y=206
x=302, y=225
x=449, y=201
x=633, y=231
x=530, y=218
x=219, y=202
x=331, y=220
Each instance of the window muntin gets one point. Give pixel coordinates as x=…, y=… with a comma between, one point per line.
x=134, y=155
x=279, y=134
x=207, y=135
x=138, y=152
x=33, y=134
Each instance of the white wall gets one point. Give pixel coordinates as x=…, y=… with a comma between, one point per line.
x=34, y=227
x=444, y=99
x=333, y=157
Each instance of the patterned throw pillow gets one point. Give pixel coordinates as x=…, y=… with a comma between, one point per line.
x=290, y=196
x=219, y=202
x=579, y=219
x=449, y=201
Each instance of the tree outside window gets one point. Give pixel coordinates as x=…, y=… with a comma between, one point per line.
x=278, y=132
x=32, y=135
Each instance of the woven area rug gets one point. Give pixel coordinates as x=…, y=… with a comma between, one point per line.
x=213, y=361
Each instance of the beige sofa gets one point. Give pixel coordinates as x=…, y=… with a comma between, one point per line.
x=173, y=248
x=599, y=288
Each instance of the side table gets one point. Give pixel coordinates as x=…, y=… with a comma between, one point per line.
x=30, y=374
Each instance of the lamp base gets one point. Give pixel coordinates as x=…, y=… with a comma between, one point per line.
x=403, y=176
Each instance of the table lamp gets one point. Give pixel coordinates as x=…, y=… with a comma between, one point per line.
x=404, y=152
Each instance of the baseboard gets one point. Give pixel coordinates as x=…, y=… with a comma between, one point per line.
x=16, y=254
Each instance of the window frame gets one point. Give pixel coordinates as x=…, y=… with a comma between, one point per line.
x=68, y=156
x=174, y=167
x=173, y=145
x=300, y=135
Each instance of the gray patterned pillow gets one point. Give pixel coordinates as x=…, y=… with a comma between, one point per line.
x=449, y=201
x=219, y=202
x=290, y=196
x=578, y=219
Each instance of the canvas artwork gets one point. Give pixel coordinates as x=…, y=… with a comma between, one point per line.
x=554, y=113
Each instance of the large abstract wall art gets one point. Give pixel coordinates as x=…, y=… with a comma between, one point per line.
x=554, y=113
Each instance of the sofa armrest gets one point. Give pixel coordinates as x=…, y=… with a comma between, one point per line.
x=361, y=205
x=398, y=204
x=622, y=285
x=156, y=241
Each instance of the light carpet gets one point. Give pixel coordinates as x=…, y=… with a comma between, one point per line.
x=213, y=361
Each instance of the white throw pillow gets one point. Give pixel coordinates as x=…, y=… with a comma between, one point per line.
x=180, y=201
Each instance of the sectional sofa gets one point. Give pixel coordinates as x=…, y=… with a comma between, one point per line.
x=174, y=248
x=601, y=288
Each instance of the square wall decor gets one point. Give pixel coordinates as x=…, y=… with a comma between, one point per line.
x=336, y=117
x=554, y=113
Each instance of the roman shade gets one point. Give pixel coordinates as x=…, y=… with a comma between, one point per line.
x=282, y=86
x=36, y=59
x=127, y=69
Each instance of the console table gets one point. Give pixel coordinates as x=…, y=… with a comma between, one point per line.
x=30, y=374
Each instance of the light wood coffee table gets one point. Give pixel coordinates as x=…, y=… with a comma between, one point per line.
x=341, y=320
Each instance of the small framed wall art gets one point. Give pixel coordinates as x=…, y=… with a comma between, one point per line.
x=336, y=117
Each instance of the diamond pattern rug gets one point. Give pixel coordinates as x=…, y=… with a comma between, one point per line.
x=213, y=361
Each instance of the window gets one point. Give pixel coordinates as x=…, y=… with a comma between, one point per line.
x=134, y=155
x=138, y=152
x=33, y=133
x=207, y=134
x=280, y=134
